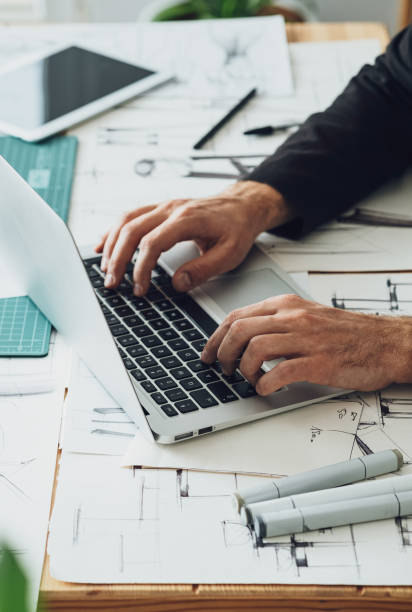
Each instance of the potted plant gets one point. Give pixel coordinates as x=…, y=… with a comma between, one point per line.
x=175, y=10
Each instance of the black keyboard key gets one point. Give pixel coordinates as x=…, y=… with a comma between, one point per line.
x=195, y=312
x=199, y=345
x=151, y=341
x=97, y=282
x=178, y=344
x=176, y=395
x=169, y=290
x=187, y=355
x=115, y=301
x=217, y=367
x=93, y=273
x=163, y=305
x=165, y=383
x=105, y=310
x=136, y=351
x=192, y=335
x=132, y=321
x=208, y=376
x=154, y=294
x=222, y=392
x=160, y=351
x=183, y=324
x=129, y=363
x=146, y=362
x=105, y=293
x=186, y=406
x=155, y=372
x=122, y=353
x=148, y=386
x=159, y=398
x=197, y=366
x=138, y=375
x=180, y=373
x=167, y=409
x=236, y=377
x=125, y=288
x=244, y=389
x=139, y=303
x=141, y=331
x=203, y=398
x=150, y=314
x=168, y=334
x=119, y=330
x=170, y=362
x=174, y=315
x=123, y=311
x=127, y=340
x=91, y=261
x=190, y=384
x=159, y=324
x=111, y=319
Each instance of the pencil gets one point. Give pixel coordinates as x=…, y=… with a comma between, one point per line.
x=199, y=144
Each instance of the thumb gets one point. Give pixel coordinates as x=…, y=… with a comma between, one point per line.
x=215, y=261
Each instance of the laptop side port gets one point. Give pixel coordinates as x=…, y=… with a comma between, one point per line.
x=189, y=434
x=205, y=430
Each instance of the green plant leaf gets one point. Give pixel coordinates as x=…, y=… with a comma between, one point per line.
x=13, y=583
x=179, y=11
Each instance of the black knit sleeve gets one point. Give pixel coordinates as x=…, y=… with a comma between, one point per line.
x=343, y=154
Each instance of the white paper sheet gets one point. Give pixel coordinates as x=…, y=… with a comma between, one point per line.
x=166, y=526
x=29, y=432
x=93, y=422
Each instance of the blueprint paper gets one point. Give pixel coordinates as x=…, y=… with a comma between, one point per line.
x=302, y=439
x=29, y=432
x=166, y=526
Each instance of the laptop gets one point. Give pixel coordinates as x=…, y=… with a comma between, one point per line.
x=144, y=351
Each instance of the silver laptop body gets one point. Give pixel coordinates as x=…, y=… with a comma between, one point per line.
x=40, y=250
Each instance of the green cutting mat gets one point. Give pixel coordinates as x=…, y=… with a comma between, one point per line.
x=48, y=167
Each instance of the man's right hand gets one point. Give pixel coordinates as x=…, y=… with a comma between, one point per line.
x=223, y=227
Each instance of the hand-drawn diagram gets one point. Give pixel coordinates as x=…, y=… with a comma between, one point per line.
x=398, y=300
x=171, y=526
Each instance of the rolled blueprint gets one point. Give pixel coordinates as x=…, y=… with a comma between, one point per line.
x=323, y=516
x=396, y=484
x=326, y=477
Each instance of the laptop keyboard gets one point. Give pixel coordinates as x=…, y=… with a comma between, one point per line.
x=160, y=338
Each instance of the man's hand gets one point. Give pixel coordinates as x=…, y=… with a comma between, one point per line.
x=224, y=228
x=322, y=345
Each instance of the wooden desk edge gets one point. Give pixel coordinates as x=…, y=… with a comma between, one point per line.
x=165, y=597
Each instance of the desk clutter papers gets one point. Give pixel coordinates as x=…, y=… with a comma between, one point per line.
x=27, y=375
x=93, y=422
x=29, y=433
x=172, y=526
x=223, y=54
x=319, y=434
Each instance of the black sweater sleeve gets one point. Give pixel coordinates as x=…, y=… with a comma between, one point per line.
x=343, y=154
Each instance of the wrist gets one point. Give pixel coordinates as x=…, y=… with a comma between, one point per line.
x=267, y=205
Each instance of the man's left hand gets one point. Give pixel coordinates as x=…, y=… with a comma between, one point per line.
x=323, y=345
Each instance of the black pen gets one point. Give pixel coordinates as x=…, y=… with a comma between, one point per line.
x=267, y=130
x=225, y=119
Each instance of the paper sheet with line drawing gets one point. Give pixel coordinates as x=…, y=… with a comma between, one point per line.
x=29, y=432
x=170, y=526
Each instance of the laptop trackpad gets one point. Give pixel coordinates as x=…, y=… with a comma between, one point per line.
x=238, y=290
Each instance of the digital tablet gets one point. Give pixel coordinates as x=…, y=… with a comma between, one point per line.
x=49, y=93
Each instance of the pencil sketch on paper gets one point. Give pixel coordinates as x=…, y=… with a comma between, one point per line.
x=178, y=525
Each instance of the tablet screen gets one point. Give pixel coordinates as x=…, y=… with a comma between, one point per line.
x=39, y=92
